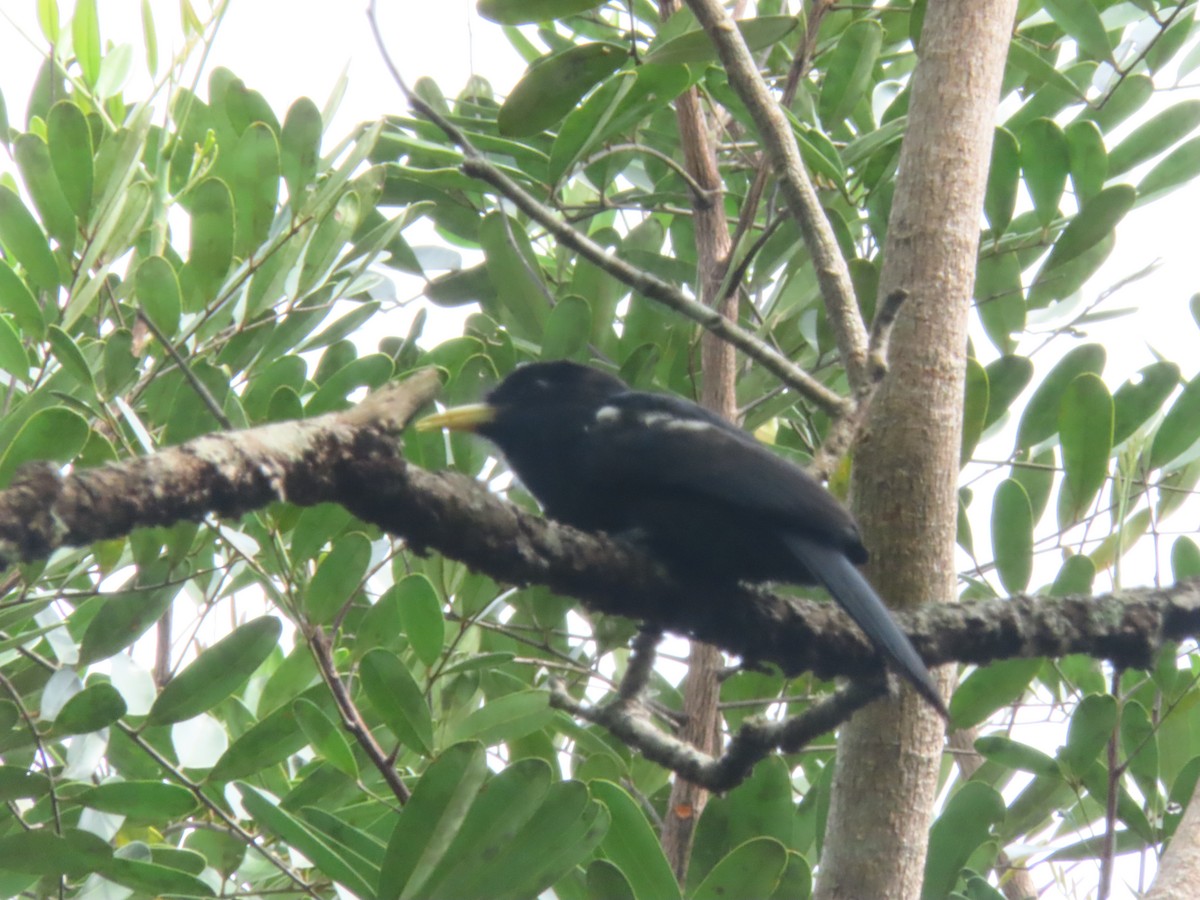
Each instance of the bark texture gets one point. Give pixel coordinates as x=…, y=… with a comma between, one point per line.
x=906, y=469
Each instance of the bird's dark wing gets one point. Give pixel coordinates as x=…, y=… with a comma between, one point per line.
x=856, y=596
x=666, y=443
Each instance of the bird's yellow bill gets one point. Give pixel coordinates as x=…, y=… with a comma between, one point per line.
x=459, y=418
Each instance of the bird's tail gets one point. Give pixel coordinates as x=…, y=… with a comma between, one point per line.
x=856, y=596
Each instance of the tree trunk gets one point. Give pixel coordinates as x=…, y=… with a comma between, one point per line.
x=906, y=467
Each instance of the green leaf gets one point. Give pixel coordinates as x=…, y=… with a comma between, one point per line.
x=1081, y=20
x=71, y=358
x=693, y=47
x=1085, y=426
x=1075, y=577
x=149, y=38
x=1045, y=160
x=962, y=828
x=507, y=718
x=1088, y=158
x=1185, y=559
x=513, y=270
x=1000, y=299
x=568, y=328
x=267, y=743
x=140, y=799
x=989, y=688
x=24, y=241
x=1012, y=536
x=54, y=433
x=752, y=869
x=253, y=173
x=338, y=577
x=217, y=672
x=1095, y=220
x=1091, y=726
x=974, y=408
x=126, y=615
x=326, y=738
x=70, y=144
x=1063, y=281
x=633, y=847
x=300, y=148
x=850, y=70
x=524, y=12
x=398, y=699
x=85, y=38
x=37, y=171
x=1021, y=55
x=211, y=245
x=1179, y=167
x=96, y=706
x=420, y=611
x=16, y=298
x=426, y=826
x=153, y=879
x=329, y=241
x=42, y=852
x=479, y=862
x=1177, y=434
x=1137, y=400
x=1007, y=378
x=332, y=861
x=47, y=13
x=1154, y=136
x=552, y=87
x=1039, y=422
x=1000, y=198
x=13, y=357
x=1015, y=755
x=157, y=290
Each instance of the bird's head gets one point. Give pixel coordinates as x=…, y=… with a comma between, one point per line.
x=543, y=394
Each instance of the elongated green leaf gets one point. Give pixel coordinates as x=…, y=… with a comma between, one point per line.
x=477, y=856
x=211, y=248
x=47, y=13
x=1096, y=219
x=13, y=357
x=1000, y=199
x=1081, y=20
x=85, y=37
x=125, y=616
x=989, y=688
x=40, y=851
x=511, y=266
x=338, y=577
x=329, y=240
x=300, y=836
x=217, y=672
x=849, y=71
x=1000, y=299
x=632, y=845
x=37, y=171
x=1180, y=429
x=16, y=298
x=1089, y=159
x=157, y=289
x=552, y=87
x=963, y=826
x=1091, y=727
x=420, y=614
x=1012, y=536
x=153, y=879
x=1129, y=96
x=1040, y=419
x=1045, y=160
x=524, y=12
x=568, y=328
x=752, y=869
x=253, y=174
x=974, y=408
x=299, y=148
x=1022, y=56
x=1142, y=397
x=506, y=718
x=397, y=698
x=70, y=145
x=1177, y=168
x=1154, y=136
x=426, y=827
x=71, y=358
x=96, y=706
x=693, y=46
x=140, y=799
x=325, y=736
x=1007, y=377
x=54, y=433
x=1085, y=426
x=23, y=239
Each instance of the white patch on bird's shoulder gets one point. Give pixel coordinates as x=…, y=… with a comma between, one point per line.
x=606, y=415
x=669, y=422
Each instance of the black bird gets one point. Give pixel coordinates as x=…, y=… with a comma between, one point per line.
x=703, y=496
